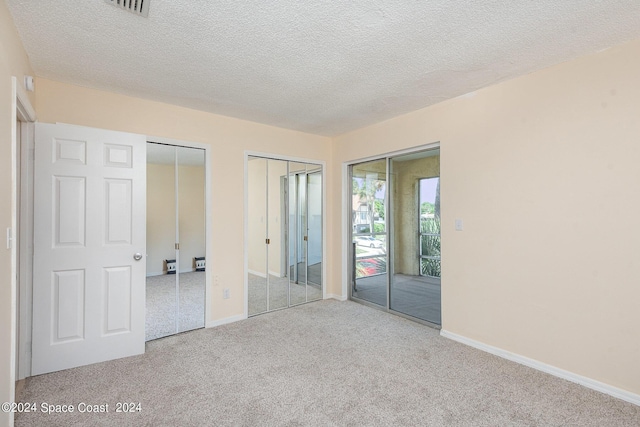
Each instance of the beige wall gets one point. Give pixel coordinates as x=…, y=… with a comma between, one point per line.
x=13, y=62
x=228, y=138
x=161, y=218
x=406, y=175
x=543, y=169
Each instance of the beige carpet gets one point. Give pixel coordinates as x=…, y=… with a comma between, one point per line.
x=326, y=363
x=160, y=318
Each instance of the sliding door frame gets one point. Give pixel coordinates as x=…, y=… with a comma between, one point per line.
x=273, y=156
x=347, y=227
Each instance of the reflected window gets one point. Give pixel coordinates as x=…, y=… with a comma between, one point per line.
x=429, y=197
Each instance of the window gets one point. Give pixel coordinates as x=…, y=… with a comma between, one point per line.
x=429, y=220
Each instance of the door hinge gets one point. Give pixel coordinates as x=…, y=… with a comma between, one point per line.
x=177, y=246
x=305, y=238
x=268, y=241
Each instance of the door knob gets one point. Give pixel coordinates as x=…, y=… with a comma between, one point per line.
x=137, y=256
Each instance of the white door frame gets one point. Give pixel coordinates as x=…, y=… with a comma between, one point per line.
x=208, y=291
x=22, y=111
x=249, y=153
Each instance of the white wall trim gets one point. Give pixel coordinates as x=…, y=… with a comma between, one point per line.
x=226, y=320
x=336, y=297
x=627, y=396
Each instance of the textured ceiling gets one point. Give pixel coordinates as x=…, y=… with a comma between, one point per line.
x=324, y=67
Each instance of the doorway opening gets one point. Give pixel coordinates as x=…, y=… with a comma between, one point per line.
x=395, y=235
x=284, y=234
x=176, y=242
x=20, y=238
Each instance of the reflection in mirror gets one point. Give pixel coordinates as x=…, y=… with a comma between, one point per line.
x=297, y=233
x=415, y=273
x=369, y=232
x=285, y=234
x=314, y=234
x=161, y=285
x=191, y=236
x=257, y=235
x=278, y=282
x=175, y=291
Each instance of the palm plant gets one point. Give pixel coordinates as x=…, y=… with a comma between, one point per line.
x=430, y=246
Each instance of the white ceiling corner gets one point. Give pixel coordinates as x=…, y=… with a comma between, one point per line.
x=319, y=67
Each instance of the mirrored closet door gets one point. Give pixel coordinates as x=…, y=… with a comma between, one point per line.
x=175, y=294
x=284, y=234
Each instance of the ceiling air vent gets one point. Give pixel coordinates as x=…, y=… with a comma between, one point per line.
x=139, y=7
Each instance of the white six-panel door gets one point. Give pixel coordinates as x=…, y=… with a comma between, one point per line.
x=89, y=224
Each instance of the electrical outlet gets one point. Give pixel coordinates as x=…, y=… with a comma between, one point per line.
x=225, y=293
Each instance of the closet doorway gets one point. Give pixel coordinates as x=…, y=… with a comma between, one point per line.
x=175, y=297
x=285, y=234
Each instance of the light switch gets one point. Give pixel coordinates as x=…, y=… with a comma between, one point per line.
x=459, y=225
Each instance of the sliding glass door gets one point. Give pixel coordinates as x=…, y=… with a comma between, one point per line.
x=284, y=234
x=395, y=220
x=415, y=279
x=369, y=232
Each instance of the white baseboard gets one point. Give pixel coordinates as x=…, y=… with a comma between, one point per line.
x=336, y=296
x=627, y=396
x=226, y=320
